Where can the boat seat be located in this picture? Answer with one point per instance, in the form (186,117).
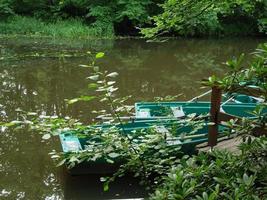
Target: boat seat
(170,139)
(143,113)
(70,143)
(177,111)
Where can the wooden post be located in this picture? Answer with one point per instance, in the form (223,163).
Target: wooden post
(216,96)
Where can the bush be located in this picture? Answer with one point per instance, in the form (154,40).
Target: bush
(219,175)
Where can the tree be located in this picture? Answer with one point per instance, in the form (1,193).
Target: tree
(208,17)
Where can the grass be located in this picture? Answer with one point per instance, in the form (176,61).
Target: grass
(72,28)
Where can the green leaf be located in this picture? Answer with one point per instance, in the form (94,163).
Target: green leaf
(106,186)
(113,155)
(61,162)
(96,69)
(99,55)
(94,77)
(55,156)
(9,124)
(73,159)
(103,179)
(85,66)
(247,179)
(92,85)
(113,74)
(31,113)
(111,82)
(73,101)
(109,160)
(46,136)
(86,98)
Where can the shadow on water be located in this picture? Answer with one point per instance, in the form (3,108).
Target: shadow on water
(38,75)
(89,187)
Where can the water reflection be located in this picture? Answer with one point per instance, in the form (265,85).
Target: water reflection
(42,83)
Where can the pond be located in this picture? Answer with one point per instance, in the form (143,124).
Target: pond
(38,74)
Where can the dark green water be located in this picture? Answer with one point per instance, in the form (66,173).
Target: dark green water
(38,74)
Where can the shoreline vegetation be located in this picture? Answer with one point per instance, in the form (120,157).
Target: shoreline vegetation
(145,18)
(24,26)
(30,26)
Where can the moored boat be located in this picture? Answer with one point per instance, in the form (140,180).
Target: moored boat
(151,110)
(160,117)
(177,133)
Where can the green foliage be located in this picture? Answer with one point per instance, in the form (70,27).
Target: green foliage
(71,28)
(208,17)
(179,17)
(6,9)
(101,16)
(219,175)
(223,175)
(243,79)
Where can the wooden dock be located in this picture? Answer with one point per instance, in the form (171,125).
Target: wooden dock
(229,144)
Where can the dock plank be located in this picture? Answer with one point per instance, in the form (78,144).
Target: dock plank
(230,145)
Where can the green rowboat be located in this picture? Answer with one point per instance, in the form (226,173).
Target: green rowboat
(156,116)
(152,110)
(176,133)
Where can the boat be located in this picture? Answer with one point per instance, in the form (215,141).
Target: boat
(235,104)
(176,133)
(242,98)
(152,110)
(168,118)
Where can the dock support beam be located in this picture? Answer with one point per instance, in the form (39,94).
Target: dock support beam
(216,96)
